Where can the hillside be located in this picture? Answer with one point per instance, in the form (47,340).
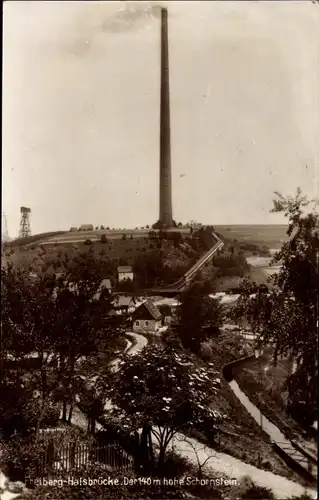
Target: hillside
(108,255)
(156,258)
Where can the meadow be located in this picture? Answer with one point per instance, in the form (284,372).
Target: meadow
(271,235)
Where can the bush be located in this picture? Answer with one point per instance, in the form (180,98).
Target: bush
(247,489)
(88,242)
(103,239)
(169,337)
(256,492)
(205,352)
(22,458)
(51,417)
(174,465)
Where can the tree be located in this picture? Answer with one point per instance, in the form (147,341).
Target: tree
(165,310)
(231,264)
(59,321)
(199,316)
(176,238)
(197,449)
(103,239)
(285,311)
(204,237)
(27,320)
(162,391)
(83,323)
(20,409)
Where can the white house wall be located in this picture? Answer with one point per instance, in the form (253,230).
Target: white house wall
(140,326)
(126,276)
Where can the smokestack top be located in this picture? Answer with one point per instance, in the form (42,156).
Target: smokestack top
(164,12)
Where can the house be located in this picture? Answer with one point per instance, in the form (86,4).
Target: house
(147,318)
(124,304)
(86,227)
(105,285)
(73,228)
(125,273)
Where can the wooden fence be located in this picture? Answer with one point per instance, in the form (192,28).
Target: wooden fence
(74,456)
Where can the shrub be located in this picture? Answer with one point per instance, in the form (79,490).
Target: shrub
(103,239)
(206,352)
(174,465)
(88,242)
(256,492)
(169,337)
(247,489)
(266,465)
(22,458)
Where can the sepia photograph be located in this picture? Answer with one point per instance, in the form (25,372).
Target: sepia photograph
(159,250)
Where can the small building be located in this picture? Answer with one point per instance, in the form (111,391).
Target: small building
(147,318)
(125,273)
(86,227)
(124,304)
(105,286)
(73,228)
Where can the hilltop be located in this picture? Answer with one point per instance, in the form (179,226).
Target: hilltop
(156,257)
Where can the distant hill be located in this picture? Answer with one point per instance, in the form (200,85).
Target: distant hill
(271,235)
(36,238)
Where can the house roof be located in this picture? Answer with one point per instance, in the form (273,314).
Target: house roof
(106,283)
(151,308)
(124,301)
(124,269)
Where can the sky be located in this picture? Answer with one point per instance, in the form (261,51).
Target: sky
(81,85)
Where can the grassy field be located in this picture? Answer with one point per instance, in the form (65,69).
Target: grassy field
(271,235)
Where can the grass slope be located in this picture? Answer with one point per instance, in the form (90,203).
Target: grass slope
(270,235)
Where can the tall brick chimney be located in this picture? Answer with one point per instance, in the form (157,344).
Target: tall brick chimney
(165,209)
